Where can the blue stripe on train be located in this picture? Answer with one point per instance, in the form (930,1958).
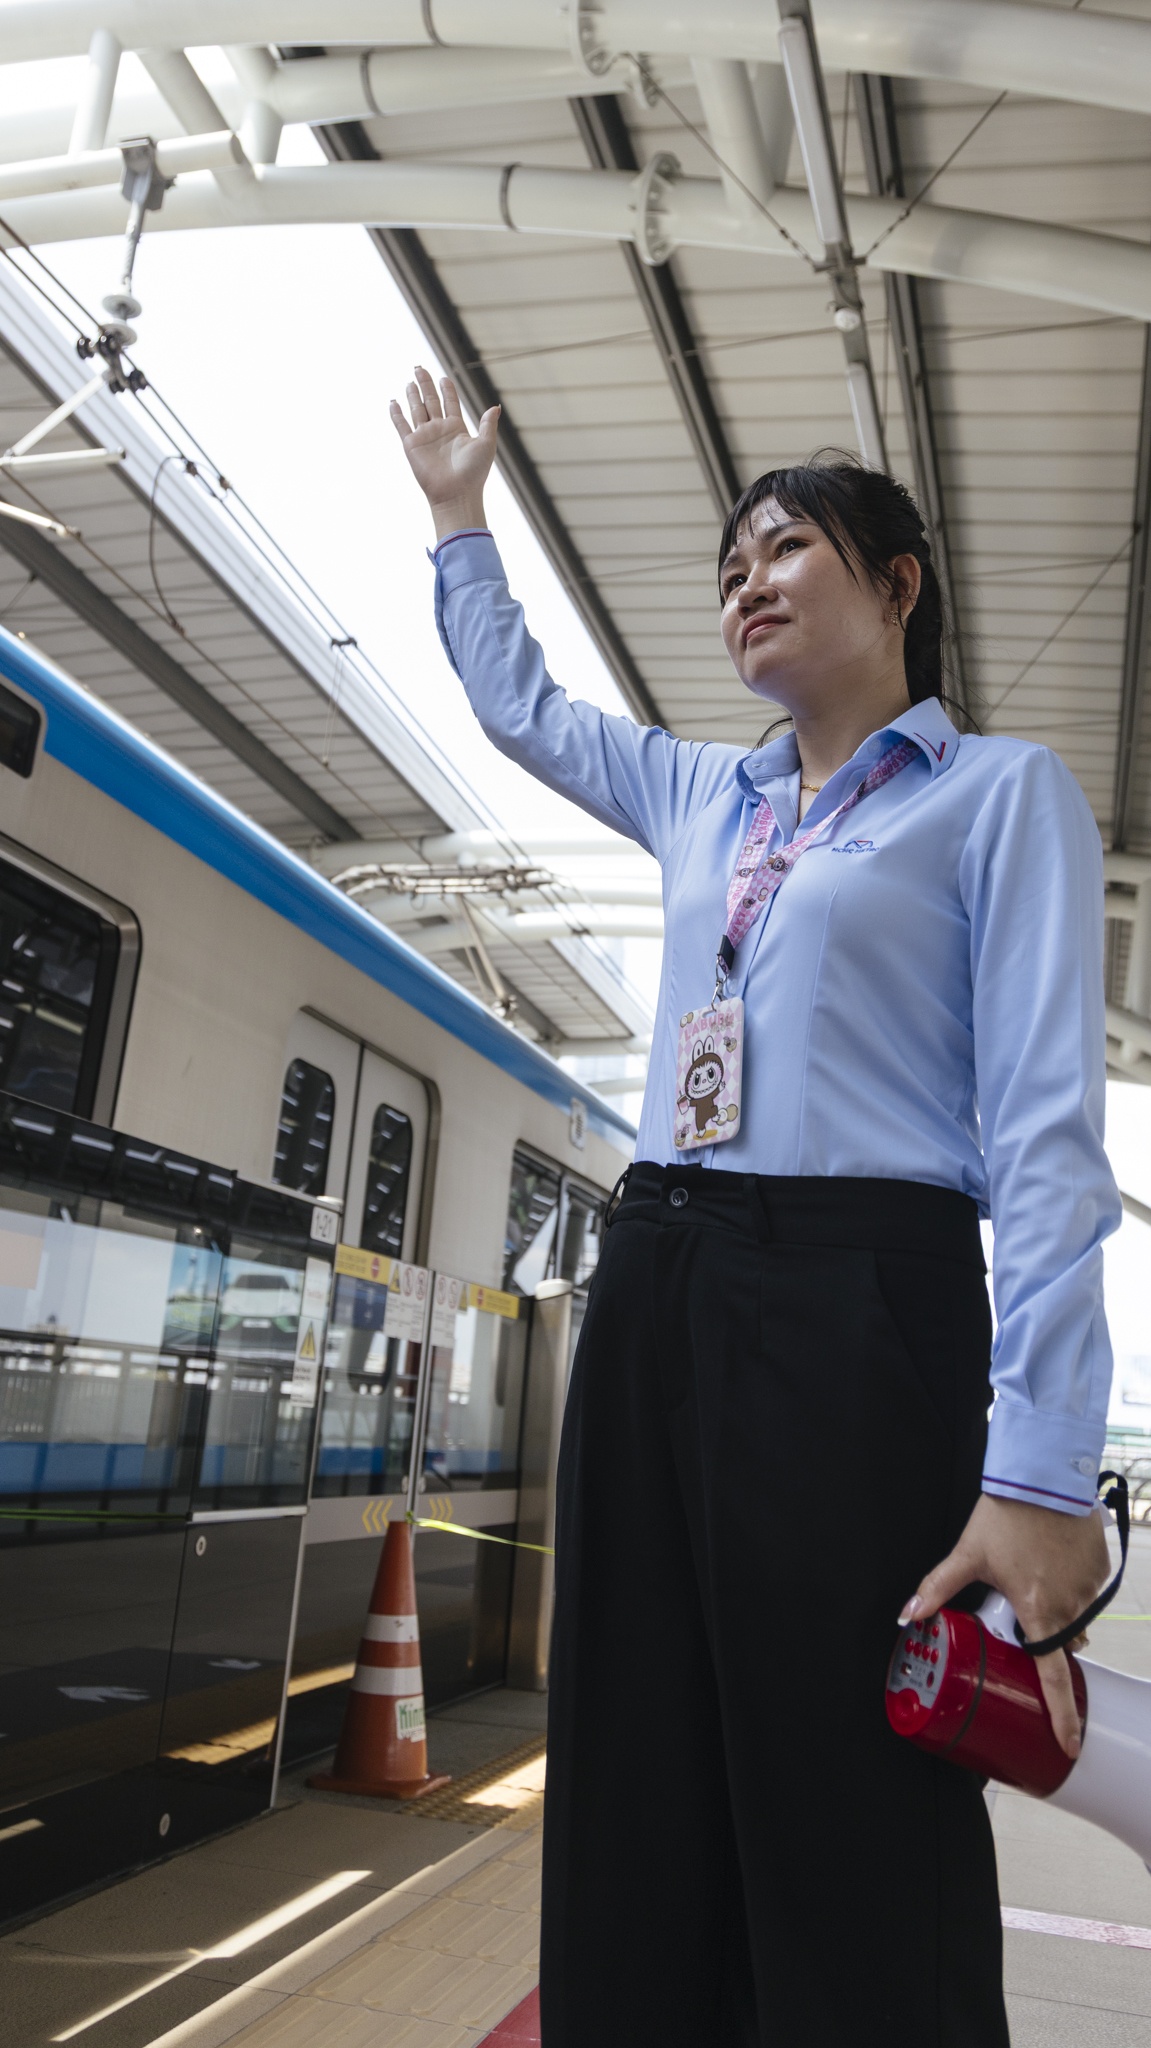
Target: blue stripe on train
(85,736)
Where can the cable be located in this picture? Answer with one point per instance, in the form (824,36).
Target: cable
(13,601)
(8,229)
(705,142)
(1064,621)
(165,607)
(227,498)
(936,174)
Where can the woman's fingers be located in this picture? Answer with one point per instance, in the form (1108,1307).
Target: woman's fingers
(1055,1678)
(453,410)
(949,1577)
(433,410)
(399,421)
(416,406)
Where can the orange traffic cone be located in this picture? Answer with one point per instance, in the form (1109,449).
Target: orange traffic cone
(383,1746)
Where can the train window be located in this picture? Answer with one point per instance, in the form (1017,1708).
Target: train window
(19,732)
(304,1135)
(533,1211)
(58,971)
(582,1236)
(389,1173)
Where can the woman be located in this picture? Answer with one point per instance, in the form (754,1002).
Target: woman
(777,1425)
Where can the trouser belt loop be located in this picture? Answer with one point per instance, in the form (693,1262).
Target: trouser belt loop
(757,1208)
(615,1198)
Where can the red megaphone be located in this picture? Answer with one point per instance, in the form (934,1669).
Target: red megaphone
(960,1686)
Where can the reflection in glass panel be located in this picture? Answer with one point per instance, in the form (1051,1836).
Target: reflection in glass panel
(304,1134)
(256,1437)
(474,1401)
(369,1395)
(105,1330)
(533,1210)
(389,1172)
(57,964)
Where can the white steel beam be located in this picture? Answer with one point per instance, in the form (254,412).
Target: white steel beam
(749,169)
(1069,266)
(180,85)
(95,103)
(94,168)
(1097,59)
(312,90)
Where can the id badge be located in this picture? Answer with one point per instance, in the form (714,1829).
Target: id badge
(709,1074)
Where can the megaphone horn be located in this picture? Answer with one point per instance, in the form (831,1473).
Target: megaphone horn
(964,1687)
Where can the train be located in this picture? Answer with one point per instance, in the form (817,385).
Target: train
(295,1237)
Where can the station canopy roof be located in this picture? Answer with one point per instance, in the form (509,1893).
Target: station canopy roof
(607,217)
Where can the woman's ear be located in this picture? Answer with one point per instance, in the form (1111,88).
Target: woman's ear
(907,579)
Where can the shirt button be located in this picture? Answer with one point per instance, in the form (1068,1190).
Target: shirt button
(678,1197)
(1085,1465)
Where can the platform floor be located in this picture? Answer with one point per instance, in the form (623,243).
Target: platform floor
(427,1935)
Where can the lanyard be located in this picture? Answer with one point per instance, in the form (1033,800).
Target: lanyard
(758,874)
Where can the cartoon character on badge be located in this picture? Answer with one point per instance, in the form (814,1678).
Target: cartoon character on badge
(702,1085)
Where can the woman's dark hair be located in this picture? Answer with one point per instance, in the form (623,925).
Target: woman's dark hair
(869,519)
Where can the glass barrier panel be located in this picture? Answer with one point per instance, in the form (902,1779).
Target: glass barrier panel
(475,1391)
(371,1374)
(258,1428)
(106,1324)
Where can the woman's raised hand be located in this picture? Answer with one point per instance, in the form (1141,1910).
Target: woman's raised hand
(450,464)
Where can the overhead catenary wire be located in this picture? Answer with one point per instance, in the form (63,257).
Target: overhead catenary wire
(276,559)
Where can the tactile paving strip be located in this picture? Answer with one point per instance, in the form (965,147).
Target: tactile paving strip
(457,1801)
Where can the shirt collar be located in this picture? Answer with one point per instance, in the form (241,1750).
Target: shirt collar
(926,723)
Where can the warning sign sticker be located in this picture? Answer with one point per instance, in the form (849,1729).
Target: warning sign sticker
(305,1380)
(407,1302)
(448,1298)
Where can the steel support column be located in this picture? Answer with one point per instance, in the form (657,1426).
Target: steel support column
(879,134)
(423,288)
(1135,640)
(604,134)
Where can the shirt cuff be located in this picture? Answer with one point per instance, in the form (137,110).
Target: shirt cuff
(469,556)
(1051,1461)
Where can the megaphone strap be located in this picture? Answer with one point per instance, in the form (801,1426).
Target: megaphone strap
(1119,1501)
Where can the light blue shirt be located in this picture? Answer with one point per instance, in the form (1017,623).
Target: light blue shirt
(924,994)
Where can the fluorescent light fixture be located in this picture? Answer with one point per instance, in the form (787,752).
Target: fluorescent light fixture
(814,130)
(8,511)
(232,1945)
(69,462)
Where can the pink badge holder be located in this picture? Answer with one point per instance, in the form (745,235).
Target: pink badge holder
(709,1074)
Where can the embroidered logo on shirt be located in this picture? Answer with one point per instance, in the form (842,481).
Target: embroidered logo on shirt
(938,751)
(856,846)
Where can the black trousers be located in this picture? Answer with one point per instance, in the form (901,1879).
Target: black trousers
(775,1427)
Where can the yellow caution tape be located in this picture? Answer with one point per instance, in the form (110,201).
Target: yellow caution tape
(480,1535)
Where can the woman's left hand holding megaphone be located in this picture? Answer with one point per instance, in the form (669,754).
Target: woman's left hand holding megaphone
(1049,1566)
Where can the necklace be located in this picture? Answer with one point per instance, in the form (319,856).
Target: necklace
(814,787)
